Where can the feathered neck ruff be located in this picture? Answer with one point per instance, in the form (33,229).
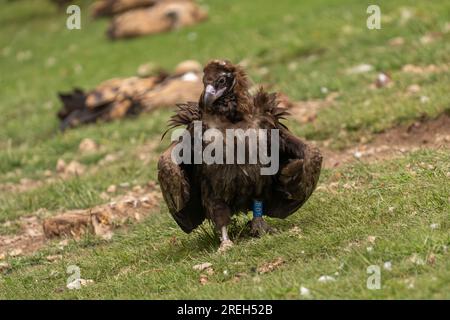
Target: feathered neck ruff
(239,96)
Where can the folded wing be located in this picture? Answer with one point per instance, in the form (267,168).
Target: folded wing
(300,163)
(179,185)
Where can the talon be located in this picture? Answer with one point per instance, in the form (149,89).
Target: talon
(259,227)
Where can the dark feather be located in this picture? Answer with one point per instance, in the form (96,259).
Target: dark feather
(223,190)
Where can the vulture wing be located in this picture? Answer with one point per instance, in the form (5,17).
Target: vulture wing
(300,163)
(179,186)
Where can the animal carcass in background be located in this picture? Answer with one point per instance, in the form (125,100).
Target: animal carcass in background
(121,97)
(162,17)
(104,8)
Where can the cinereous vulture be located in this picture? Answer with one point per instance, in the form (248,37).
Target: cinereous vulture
(197,191)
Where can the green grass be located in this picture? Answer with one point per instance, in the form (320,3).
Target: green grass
(145,263)
(323,38)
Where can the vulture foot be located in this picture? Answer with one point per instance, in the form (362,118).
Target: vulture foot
(225,245)
(259,227)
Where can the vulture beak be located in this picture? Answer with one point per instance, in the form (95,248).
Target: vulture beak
(211,95)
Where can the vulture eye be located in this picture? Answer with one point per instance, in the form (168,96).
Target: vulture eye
(222,81)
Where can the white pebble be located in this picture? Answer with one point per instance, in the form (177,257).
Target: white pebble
(326,279)
(434,226)
(358,154)
(387,265)
(190,77)
(305,292)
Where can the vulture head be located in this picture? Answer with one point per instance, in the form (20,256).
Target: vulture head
(225,89)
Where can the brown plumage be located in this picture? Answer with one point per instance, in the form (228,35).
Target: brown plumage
(194,192)
(122,97)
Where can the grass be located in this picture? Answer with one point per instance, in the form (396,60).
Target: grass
(305,46)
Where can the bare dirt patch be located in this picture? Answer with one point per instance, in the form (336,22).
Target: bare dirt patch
(423,133)
(431,68)
(64,171)
(306,111)
(29,239)
(102,220)
(270,266)
(23,185)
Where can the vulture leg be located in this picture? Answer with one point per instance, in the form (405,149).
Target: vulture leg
(220,214)
(225,242)
(258,226)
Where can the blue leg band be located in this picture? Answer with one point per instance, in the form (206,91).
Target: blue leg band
(257,209)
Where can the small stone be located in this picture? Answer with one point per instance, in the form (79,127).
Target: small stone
(371,239)
(292,66)
(60,165)
(358,154)
(414,88)
(203,279)
(54,257)
(202,266)
(305,292)
(410,283)
(434,226)
(417,260)
(48,173)
(63,243)
(74,168)
(109,158)
(431,259)
(4,266)
(387,266)
(111,189)
(326,278)
(397,41)
(238,276)
(16,252)
(428,38)
(382,80)
(87,146)
(424,99)
(296,231)
(361,68)
(324,90)
(50,62)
